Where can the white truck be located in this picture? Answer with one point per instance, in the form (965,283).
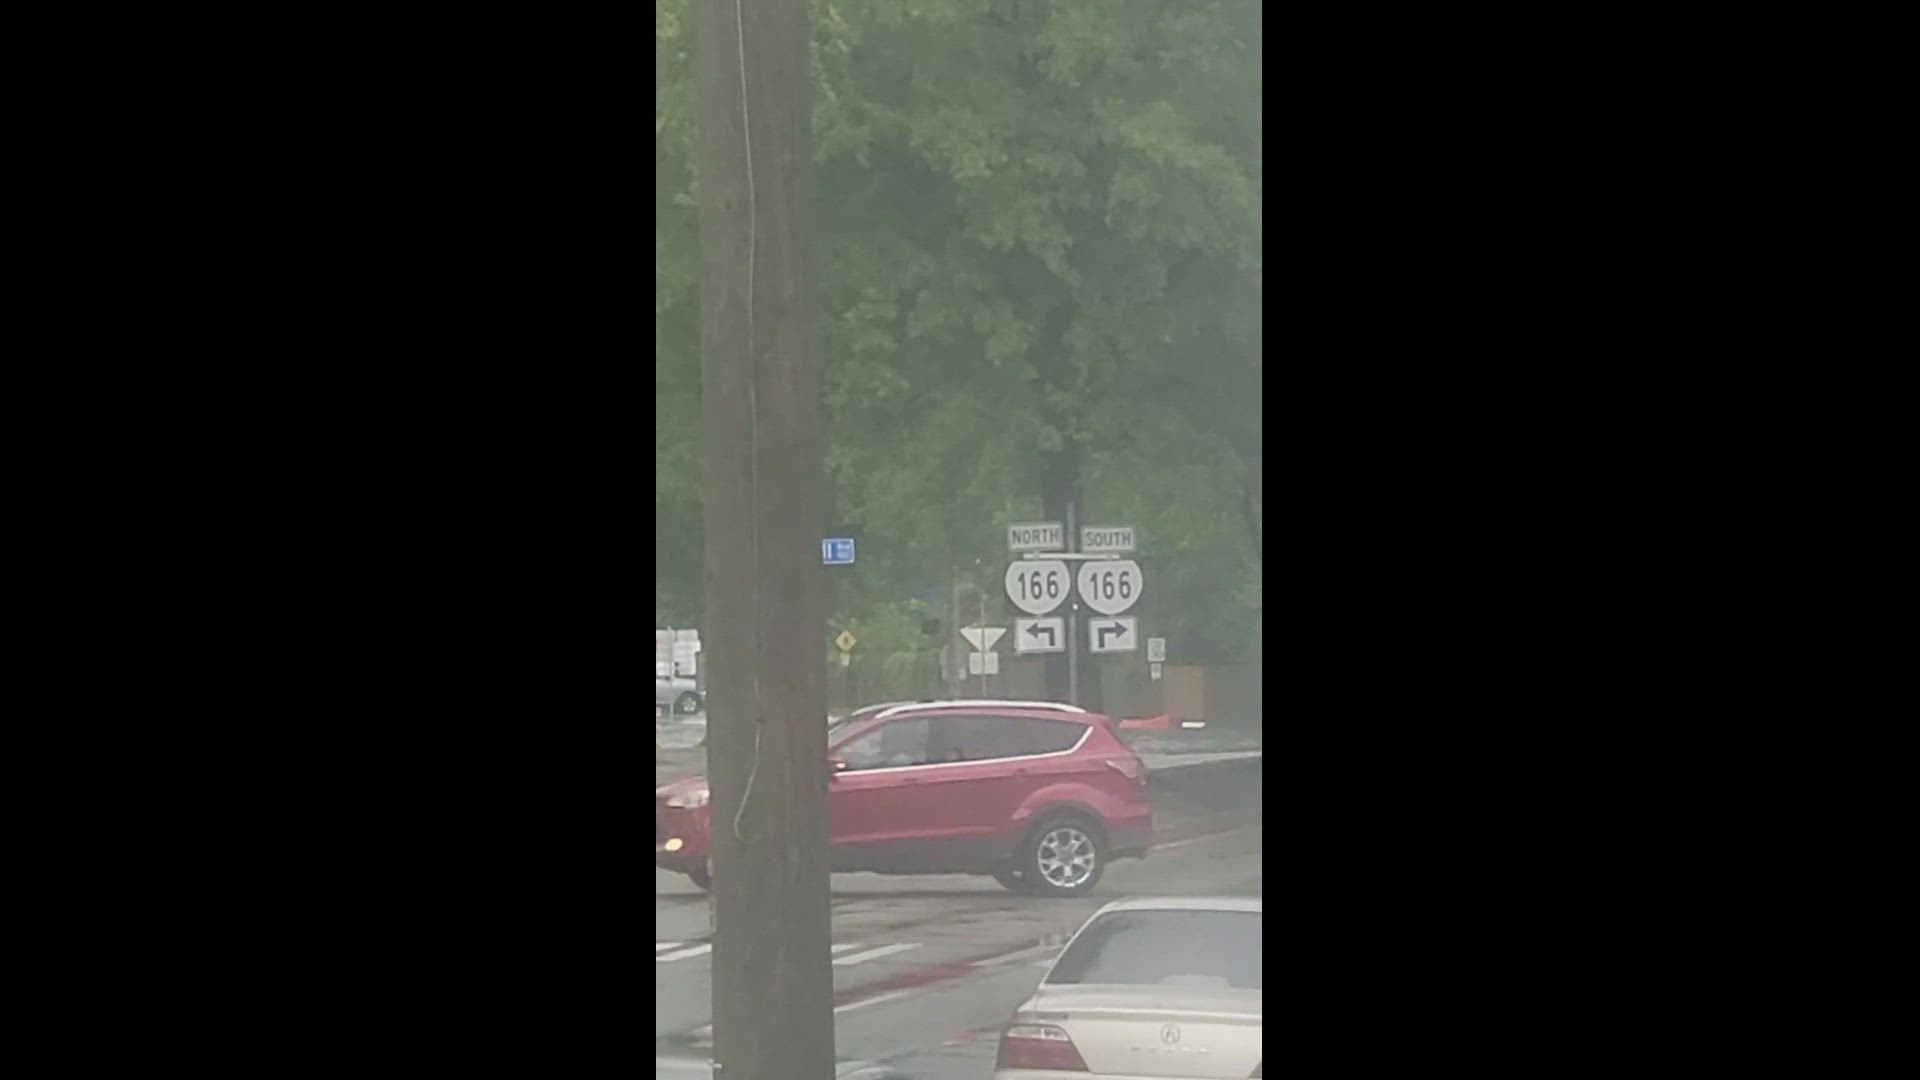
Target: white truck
(676,673)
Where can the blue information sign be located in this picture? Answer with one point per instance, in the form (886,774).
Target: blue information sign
(837,551)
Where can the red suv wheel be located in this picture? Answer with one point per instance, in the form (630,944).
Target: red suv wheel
(1062,856)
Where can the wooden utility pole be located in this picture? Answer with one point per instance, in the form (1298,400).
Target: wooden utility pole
(772,979)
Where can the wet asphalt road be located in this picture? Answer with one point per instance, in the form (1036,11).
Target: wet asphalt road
(929,968)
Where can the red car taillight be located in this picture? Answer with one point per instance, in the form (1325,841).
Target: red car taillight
(1038,1046)
(1129,767)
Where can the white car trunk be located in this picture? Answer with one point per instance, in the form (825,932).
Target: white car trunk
(1167,1030)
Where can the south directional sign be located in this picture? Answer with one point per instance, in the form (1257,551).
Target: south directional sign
(1110,586)
(1037,586)
(1111,541)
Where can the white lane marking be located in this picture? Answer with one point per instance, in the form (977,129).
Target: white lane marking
(870,954)
(1195,840)
(661,953)
(1015,955)
(851,1005)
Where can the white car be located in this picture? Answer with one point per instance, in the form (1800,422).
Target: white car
(1150,987)
(681,696)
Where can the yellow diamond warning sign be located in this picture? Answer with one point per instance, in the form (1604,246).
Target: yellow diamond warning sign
(846,640)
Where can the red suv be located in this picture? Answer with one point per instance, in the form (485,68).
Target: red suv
(1038,795)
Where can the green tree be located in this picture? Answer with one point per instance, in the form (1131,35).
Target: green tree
(1039,229)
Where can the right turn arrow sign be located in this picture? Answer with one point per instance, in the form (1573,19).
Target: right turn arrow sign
(1113,635)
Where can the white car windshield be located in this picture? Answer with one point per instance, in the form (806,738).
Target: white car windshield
(1148,948)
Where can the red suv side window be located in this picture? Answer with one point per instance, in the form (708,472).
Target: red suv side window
(1053,736)
(985,738)
(897,743)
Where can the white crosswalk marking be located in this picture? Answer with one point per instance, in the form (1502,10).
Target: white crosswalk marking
(664,951)
(870,954)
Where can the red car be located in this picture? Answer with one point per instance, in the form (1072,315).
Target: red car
(1037,795)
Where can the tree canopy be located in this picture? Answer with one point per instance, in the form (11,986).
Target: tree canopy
(1038,232)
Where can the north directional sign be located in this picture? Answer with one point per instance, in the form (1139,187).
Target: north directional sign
(1037,586)
(1110,586)
(1037,536)
(1039,635)
(1113,635)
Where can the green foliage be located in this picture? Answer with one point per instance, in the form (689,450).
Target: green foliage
(1038,224)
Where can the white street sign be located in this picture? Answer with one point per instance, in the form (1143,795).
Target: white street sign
(1037,586)
(1156,650)
(1094,540)
(976,660)
(1039,635)
(1154,670)
(1037,536)
(1111,586)
(1113,635)
(982,637)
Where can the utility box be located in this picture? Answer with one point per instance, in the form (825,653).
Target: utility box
(1186,691)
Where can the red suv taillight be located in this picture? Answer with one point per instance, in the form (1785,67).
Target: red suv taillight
(1129,767)
(1038,1046)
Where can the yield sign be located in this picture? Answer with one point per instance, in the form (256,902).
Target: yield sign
(982,637)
